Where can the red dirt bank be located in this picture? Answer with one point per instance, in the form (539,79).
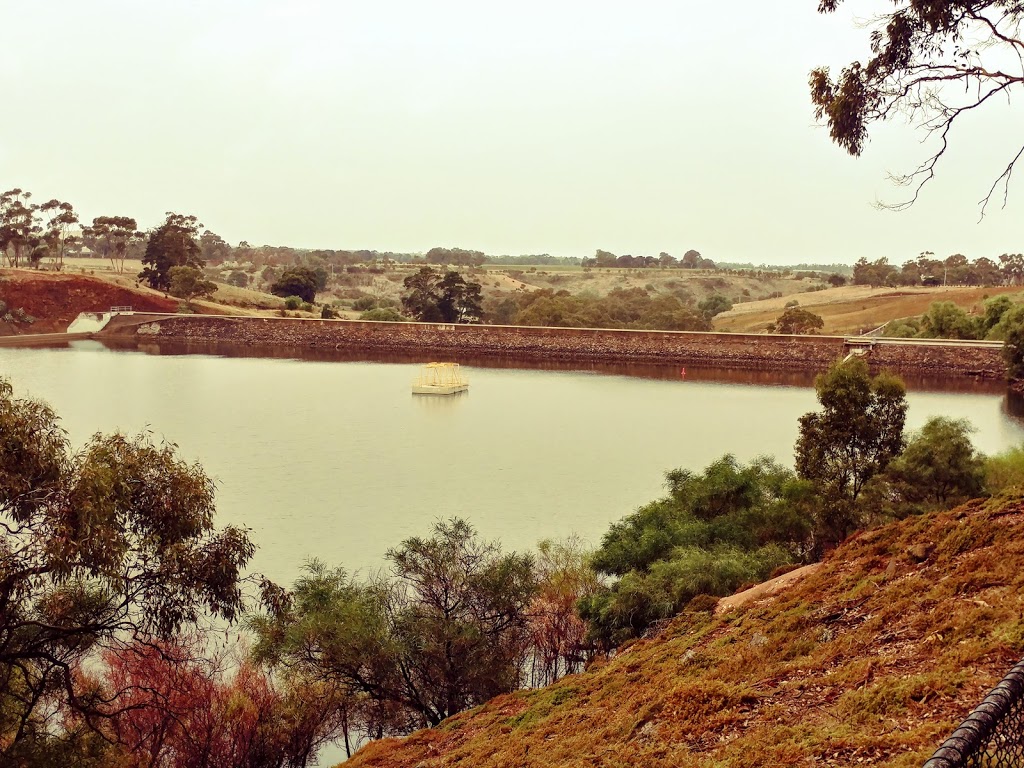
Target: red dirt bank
(55,300)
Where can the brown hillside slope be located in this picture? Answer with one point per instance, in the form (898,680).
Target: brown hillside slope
(56,299)
(871,660)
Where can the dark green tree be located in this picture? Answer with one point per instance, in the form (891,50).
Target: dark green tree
(1011,329)
(113,543)
(446,632)
(296,281)
(431,297)
(172,244)
(715,530)
(854,436)
(797,320)
(714,305)
(940,465)
(945,320)
(933,61)
(189,283)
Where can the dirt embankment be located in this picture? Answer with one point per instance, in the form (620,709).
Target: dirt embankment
(54,300)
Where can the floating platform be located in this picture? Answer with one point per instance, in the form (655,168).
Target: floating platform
(440,379)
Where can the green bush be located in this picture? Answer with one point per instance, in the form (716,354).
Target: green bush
(1005,471)
(383,314)
(364,303)
(293,302)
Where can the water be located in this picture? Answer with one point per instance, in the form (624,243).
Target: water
(336,460)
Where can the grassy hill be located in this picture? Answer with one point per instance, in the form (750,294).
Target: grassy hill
(872,659)
(855,308)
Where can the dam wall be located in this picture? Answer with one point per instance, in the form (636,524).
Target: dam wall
(445,341)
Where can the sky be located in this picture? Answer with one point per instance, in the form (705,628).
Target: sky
(555,127)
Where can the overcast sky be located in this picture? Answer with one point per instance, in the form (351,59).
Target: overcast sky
(541,127)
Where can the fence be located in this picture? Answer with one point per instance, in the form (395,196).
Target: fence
(992,736)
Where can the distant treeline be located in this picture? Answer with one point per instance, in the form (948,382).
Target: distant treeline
(953,270)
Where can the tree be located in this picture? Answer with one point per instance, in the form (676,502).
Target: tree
(835,280)
(182,705)
(854,436)
(19,226)
(213,247)
(945,320)
(296,281)
(717,529)
(60,218)
(446,632)
(435,298)
(111,237)
(172,244)
(800,321)
(188,283)
(1011,329)
(939,466)
(558,635)
(876,273)
(931,61)
(100,547)
(713,305)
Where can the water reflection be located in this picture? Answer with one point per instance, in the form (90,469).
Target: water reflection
(673,372)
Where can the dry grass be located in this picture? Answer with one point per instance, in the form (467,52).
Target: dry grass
(871,660)
(855,308)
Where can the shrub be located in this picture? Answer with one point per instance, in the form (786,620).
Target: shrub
(383,314)
(364,303)
(1005,471)
(292,302)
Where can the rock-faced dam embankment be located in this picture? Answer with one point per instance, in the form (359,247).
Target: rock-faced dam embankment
(744,351)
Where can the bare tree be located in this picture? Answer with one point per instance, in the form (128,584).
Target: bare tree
(931,63)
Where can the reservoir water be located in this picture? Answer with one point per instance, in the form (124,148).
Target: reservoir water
(337,460)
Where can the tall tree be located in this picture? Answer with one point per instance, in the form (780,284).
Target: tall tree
(940,464)
(447,632)
(296,281)
(188,283)
(172,244)
(60,218)
(854,436)
(19,226)
(111,237)
(213,247)
(933,61)
(449,298)
(112,543)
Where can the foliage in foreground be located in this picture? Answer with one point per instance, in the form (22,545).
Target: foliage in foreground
(100,547)
(871,660)
(447,631)
(727,526)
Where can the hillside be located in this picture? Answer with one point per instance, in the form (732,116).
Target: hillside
(872,659)
(854,308)
(55,299)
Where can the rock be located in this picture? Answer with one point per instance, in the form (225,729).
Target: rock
(920,552)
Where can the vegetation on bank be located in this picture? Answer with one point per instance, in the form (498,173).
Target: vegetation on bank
(110,569)
(872,659)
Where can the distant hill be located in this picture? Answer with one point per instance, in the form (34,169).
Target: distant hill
(871,660)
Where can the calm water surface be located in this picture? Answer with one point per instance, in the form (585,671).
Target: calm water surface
(338,461)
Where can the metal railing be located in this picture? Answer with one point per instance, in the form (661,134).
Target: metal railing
(993,734)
